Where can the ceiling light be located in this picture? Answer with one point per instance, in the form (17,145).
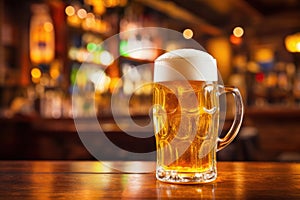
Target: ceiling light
(238,31)
(188,33)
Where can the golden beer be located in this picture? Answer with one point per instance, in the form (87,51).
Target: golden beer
(186,116)
(186,122)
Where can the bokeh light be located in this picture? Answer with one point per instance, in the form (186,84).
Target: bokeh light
(70,10)
(188,33)
(238,31)
(36,73)
(82,13)
(48,26)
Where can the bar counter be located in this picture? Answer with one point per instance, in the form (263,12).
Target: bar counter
(36,138)
(135,180)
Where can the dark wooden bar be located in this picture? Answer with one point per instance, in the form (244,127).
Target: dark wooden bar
(277,130)
(101,180)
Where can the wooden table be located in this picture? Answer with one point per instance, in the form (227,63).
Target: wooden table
(95,180)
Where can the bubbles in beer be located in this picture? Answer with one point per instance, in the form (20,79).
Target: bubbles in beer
(186,131)
(171,104)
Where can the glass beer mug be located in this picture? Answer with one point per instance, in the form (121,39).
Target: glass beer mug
(186,114)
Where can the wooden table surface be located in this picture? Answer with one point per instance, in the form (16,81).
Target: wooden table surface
(96,180)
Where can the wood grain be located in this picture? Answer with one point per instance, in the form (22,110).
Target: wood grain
(95,180)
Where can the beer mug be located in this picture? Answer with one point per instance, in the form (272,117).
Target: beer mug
(186,115)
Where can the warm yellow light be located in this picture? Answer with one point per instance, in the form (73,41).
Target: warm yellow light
(99,7)
(114,3)
(54,73)
(55,70)
(114,84)
(109,3)
(74,20)
(82,13)
(89,21)
(90,16)
(41,36)
(48,26)
(82,55)
(264,55)
(36,73)
(70,10)
(188,33)
(238,31)
(292,43)
(298,46)
(35,80)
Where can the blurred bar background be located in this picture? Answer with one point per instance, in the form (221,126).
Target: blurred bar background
(44,42)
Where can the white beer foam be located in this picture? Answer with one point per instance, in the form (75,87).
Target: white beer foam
(185,64)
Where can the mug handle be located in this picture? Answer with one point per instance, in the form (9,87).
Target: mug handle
(238,117)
